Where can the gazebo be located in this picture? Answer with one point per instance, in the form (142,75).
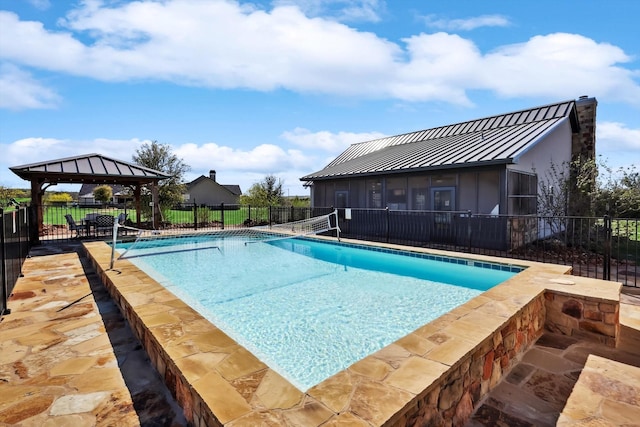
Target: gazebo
(88,168)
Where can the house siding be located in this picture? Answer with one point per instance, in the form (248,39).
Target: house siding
(552,150)
(208,192)
(476,189)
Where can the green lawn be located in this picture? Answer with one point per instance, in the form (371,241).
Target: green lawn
(626,228)
(54,215)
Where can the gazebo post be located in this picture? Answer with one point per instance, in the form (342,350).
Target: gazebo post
(36,203)
(156,205)
(136,197)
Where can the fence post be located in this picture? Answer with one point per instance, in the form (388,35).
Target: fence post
(195,215)
(3,269)
(269,216)
(249,210)
(606,267)
(222,214)
(469,229)
(388,219)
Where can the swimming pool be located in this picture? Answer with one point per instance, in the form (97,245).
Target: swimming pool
(310,309)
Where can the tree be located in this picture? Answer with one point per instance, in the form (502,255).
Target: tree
(616,192)
(160,157)
(619,193)
(267,192)
(103,193)
(6,194)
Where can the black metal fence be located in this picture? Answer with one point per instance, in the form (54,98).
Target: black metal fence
(56,225)
(603,247)
(14,248)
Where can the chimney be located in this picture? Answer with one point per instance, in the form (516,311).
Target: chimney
(212,175)
(583,151)
(584,142)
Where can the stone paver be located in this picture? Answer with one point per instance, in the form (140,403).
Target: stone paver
(67,356)
(563,381)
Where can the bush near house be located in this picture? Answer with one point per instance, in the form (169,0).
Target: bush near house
(58,198)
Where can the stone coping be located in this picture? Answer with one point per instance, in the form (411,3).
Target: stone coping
(607,393)
(218,382)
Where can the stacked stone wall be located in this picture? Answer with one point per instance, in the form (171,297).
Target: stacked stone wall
(450,401)
(582,317)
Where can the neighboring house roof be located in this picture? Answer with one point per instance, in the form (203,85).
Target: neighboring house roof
(87,167)
(87,189)
(492,140)
(233,189)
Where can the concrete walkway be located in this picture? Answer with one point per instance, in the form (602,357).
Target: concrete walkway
(67,356)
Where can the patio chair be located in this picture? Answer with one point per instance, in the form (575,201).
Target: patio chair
(122,218)
(104,223)
(79,229)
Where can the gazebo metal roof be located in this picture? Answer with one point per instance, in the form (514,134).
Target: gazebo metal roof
(88,168)
(91,169)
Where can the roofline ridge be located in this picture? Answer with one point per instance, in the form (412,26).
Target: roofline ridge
(466,121)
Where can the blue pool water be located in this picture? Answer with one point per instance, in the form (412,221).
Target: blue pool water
(310,309)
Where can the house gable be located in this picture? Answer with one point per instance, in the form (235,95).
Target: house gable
(204,190)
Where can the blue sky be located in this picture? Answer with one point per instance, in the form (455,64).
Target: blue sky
(282,87)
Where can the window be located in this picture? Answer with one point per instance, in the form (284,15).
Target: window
(522,193)
(374,193)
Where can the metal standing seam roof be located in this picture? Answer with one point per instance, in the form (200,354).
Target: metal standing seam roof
(88,166)
(491,140)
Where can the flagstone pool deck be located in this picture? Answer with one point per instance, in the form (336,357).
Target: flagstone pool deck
(69,358)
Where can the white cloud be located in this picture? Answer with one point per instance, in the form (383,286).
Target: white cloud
(264,158)
(40,4)
(334,143)
(33,150)
(20,91)
(467,24)
(559,65)
(227,45)
(342,10)
(613,136)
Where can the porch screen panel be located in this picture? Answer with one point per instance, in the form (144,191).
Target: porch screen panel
(489,192)
(358,197)
(374,193)
(319,194)
(341,192)
(419,193)
(522,193)
(468,193)
(397,193)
